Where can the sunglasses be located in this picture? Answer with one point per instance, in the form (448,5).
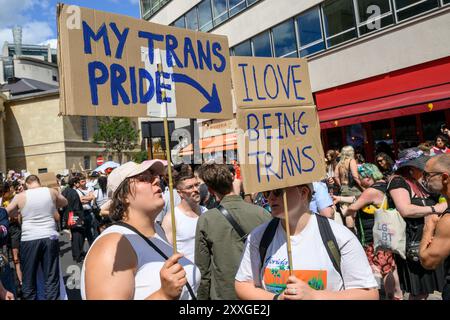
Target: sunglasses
(276,193)
(428,175)
(147,176)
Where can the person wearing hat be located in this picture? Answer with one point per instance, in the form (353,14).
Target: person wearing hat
(132,260)
(264,269)
(414,202)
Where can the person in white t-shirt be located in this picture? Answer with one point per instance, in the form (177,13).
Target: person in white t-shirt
(186,214)
(131,260)
(312,265)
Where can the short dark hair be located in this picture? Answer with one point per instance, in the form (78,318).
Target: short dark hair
(32,178)
(73,181)
(217,177)
(443,138)
(231,168)
(180,177)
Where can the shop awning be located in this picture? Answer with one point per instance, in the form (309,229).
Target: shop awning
(213,144)
(418,89)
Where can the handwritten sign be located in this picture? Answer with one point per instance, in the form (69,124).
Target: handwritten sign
(114,65)
(279,147)
(261,82)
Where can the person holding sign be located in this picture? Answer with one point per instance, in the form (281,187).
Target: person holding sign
(328,260)
(132,259)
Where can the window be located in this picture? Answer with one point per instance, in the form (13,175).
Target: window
(54,78)
(191,19)
(284,41)
(310,32)
(446,2)
(261,45)
(431,122)
(87,162)
(220,12)
(42,170)
(236,6)
(374,15)
(110,158)
(180,23)
(406,132)
(95,124)
(84,128)
(205,16)
(339,21)
(249,2)
(243,49)
(334,138)
(409,8)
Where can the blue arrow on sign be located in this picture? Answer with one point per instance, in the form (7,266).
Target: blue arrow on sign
(213,105)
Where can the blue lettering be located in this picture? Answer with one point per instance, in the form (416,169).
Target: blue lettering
(94,81)
(150,38)
(189,51)
(118,76)
(252,129)
(216,48)
(257,153)
(295,81)
(279,114)
(266,127)
(171,45)
(145,97)
(285,163)
(243,66)
(133,87)
(160,76)
(293,161)
(204,55)
(121,37)
(301,128)
(268,166)
(285,85)
(256,85)
(287,123)
(89,34)
(313,163)
(275,78)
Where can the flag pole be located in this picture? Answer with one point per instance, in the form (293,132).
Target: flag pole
(288,233)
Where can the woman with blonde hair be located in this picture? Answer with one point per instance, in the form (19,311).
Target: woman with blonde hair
(347,178)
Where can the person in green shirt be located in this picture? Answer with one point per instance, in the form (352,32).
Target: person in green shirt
(218,245)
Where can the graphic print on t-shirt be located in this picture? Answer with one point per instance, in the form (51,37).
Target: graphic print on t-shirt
(276,274)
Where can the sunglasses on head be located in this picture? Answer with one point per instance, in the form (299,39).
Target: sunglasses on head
(276,193)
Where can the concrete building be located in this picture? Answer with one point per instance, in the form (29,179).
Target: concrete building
(38,139)
(380,69)
(2,134)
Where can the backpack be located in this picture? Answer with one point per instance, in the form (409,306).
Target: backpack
(328,238)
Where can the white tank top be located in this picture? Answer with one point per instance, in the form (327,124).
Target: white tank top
(38,220)
(147,279)
(186,227)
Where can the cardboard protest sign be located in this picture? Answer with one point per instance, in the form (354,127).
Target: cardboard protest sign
(263,82)
(114,65)
(48,180)
(279,147)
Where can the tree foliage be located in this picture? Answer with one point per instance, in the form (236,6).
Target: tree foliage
(116,134)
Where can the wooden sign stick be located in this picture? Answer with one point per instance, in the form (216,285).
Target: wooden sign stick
(288,233)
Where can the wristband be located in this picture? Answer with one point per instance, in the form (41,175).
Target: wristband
(433,210)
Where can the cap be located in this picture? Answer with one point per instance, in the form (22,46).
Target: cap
(128,170)
(412,157)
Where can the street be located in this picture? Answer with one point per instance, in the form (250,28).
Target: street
(71,270)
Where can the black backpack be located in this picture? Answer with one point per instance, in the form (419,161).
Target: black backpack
(328,238)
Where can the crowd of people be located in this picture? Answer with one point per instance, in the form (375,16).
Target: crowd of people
(232,245)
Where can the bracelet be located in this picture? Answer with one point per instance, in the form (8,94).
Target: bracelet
(275,297)
(433,210)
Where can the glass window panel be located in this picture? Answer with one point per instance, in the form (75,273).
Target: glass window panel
(446,1)
(236,6)
(355,135)
(261,45)
(292,55)
(406,132)
(384,22)
(146,5)
(243,49)
(284,38)
(334,138)
(205,16)
(365,11)
(339,16)
(341,38)
(309,26)
(191,19)
(414,10)
(249,2)
(180,23)
(431,124)
(312,49)
(220,12)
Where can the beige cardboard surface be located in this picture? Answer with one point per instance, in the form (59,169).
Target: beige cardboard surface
(48,180)
(279,147)
(208,87)
(261,82)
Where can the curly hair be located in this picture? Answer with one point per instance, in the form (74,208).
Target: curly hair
(119,205)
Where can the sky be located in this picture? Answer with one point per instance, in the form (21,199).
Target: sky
(38,17)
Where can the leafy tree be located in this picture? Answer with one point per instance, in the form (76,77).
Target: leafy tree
(116,134)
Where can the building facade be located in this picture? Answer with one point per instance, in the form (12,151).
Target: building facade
(379,69)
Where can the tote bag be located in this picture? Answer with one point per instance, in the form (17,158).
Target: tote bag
(389,230)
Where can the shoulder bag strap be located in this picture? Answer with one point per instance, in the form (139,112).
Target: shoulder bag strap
(233,222)
(267,238)
(159,251)
(330,243)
